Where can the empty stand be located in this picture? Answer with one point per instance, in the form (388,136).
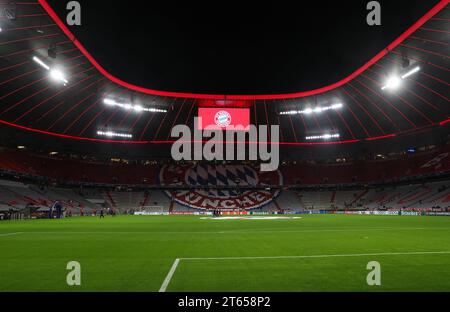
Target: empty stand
(62,169)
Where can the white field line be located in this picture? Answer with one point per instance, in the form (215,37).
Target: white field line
(178,260)
(328,256)
(323,230)
(169,276)
(244,231)
(10,234)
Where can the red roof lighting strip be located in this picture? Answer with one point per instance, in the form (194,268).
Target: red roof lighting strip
(71,137)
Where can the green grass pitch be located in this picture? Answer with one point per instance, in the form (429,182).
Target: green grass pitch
(314,253)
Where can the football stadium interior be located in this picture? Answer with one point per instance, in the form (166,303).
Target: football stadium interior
(87,171)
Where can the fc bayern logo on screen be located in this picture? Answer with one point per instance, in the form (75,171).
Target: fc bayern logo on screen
(227,187)
(222,119)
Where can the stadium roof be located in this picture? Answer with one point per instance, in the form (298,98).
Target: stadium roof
(359,106)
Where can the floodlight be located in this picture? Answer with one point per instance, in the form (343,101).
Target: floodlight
(112,134)
(326,136)
(411,72)
(394,82)
(58,75)
(41,63)
(129,106)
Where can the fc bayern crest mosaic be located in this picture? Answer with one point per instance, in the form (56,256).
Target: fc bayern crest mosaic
(223,119)
(207,175)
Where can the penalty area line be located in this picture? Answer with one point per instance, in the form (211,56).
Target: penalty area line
(169,276)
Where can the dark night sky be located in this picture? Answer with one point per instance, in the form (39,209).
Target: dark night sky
(237,47)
